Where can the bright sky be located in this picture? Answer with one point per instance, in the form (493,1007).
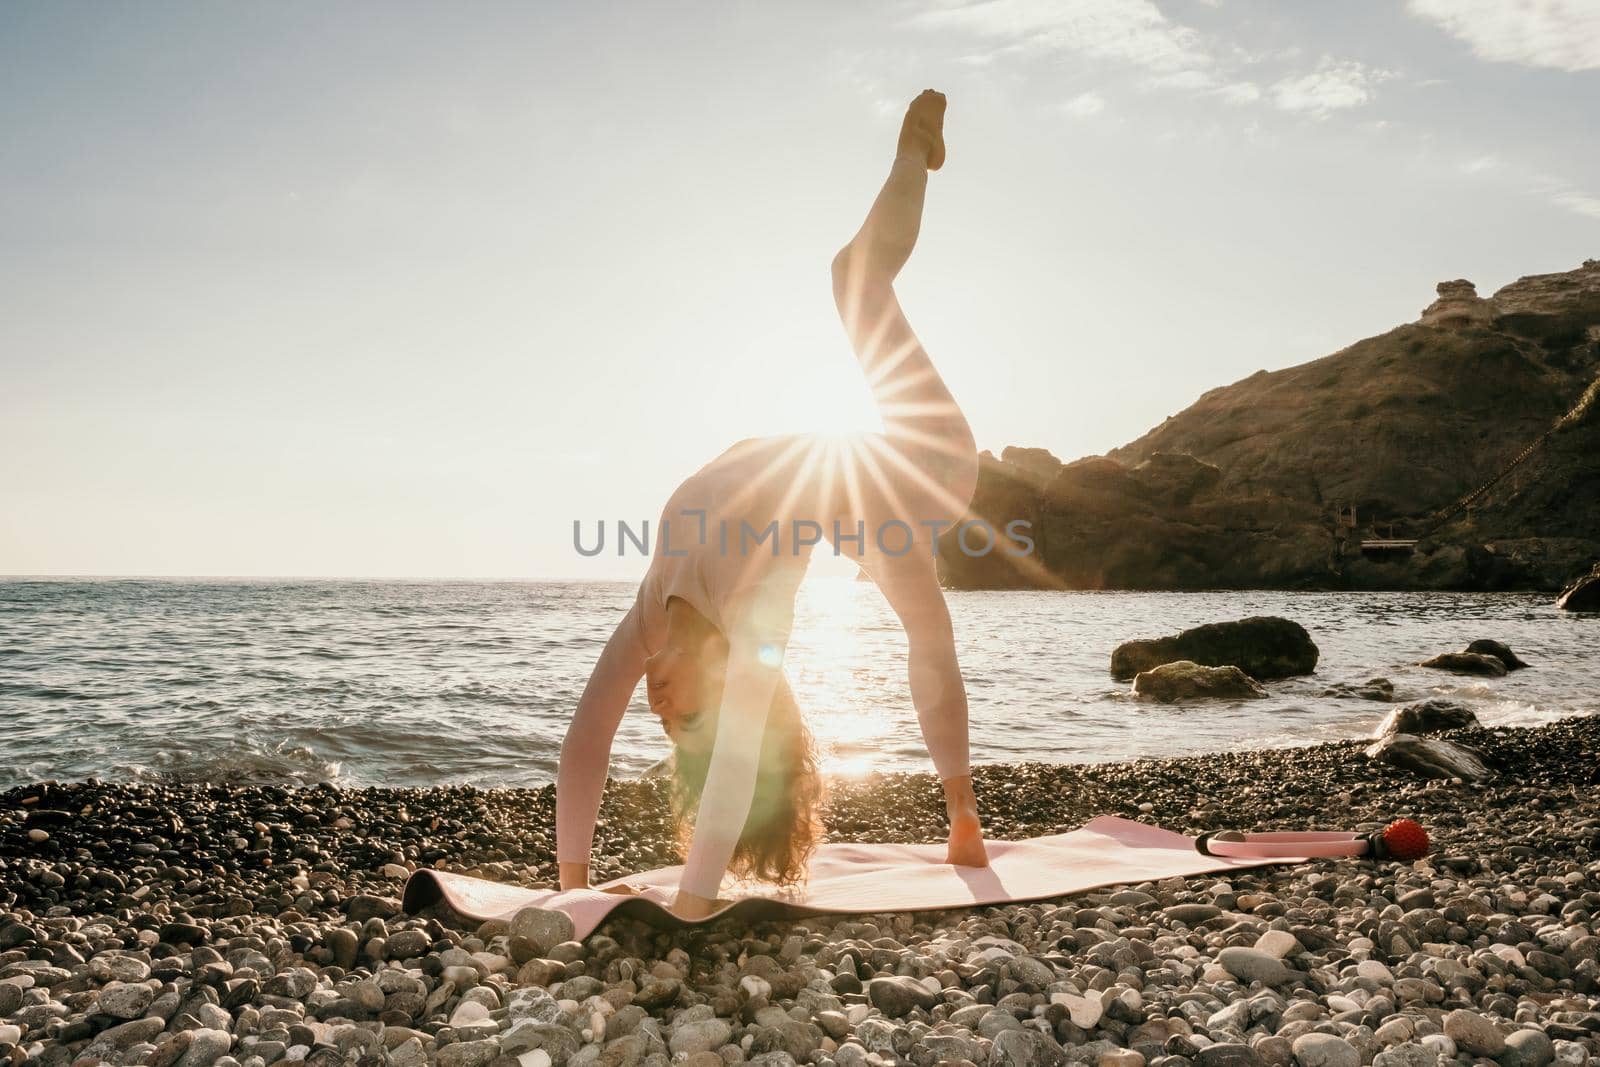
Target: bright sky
(296,288)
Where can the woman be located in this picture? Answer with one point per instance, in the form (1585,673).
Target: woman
(712,618)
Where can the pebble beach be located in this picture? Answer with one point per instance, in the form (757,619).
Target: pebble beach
(214,926)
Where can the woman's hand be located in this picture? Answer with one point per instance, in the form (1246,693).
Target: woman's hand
(625,889)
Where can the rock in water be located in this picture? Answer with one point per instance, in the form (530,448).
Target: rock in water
(1583,594)
(1467,663)
(1264,647)
(1427,717)
(1371,689)
(1500,651)
(1183,680)
(1431,757)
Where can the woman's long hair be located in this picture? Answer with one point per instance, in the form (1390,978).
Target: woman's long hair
(784,825)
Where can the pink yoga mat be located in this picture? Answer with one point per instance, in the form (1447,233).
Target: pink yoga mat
(860,879)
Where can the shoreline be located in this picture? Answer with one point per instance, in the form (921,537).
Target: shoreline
(271,686)
(252,924)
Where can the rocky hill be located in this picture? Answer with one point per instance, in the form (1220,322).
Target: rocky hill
(1474,431)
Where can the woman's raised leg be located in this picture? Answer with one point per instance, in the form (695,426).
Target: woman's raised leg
(922,470)
(930,453)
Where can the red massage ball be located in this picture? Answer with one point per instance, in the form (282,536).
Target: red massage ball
(1405,840)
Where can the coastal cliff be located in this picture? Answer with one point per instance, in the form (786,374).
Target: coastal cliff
(1455,452)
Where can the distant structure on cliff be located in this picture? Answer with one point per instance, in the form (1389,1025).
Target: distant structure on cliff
(1459,306)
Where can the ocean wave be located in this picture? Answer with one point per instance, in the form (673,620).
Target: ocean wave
(241,763)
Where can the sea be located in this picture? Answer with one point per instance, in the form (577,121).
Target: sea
(420,683)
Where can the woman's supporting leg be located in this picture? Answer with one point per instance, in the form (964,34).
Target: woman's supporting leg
(911,586)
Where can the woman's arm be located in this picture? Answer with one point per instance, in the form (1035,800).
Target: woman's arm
(586,750)
(756,646)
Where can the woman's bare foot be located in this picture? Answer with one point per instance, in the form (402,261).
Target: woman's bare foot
(966,832)
(965,848)
(922,132)
(689,906)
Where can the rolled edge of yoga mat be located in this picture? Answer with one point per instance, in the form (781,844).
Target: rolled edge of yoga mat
(1403,840)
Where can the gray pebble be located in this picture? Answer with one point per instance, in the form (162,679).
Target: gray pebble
(1251,965)
(1025,1048)
(1325,1050)
(124,1001)
(1527,1048)
(1474,1034)
(542,928)
(702,1035)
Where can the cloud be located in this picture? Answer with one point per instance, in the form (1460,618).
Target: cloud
(1205,83)
(1134,33)
(1563,34)
(1182,79)
(875,75)
(1240,93)
(1085,105)
(1129,31)
(1333,86)
(1553,189)
(1578,203)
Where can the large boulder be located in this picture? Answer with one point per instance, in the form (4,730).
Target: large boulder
(1427,717)
(1263,647)
(1183,680)
(1500,651)
(1467,663)
(1582,594)
(1431,757)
